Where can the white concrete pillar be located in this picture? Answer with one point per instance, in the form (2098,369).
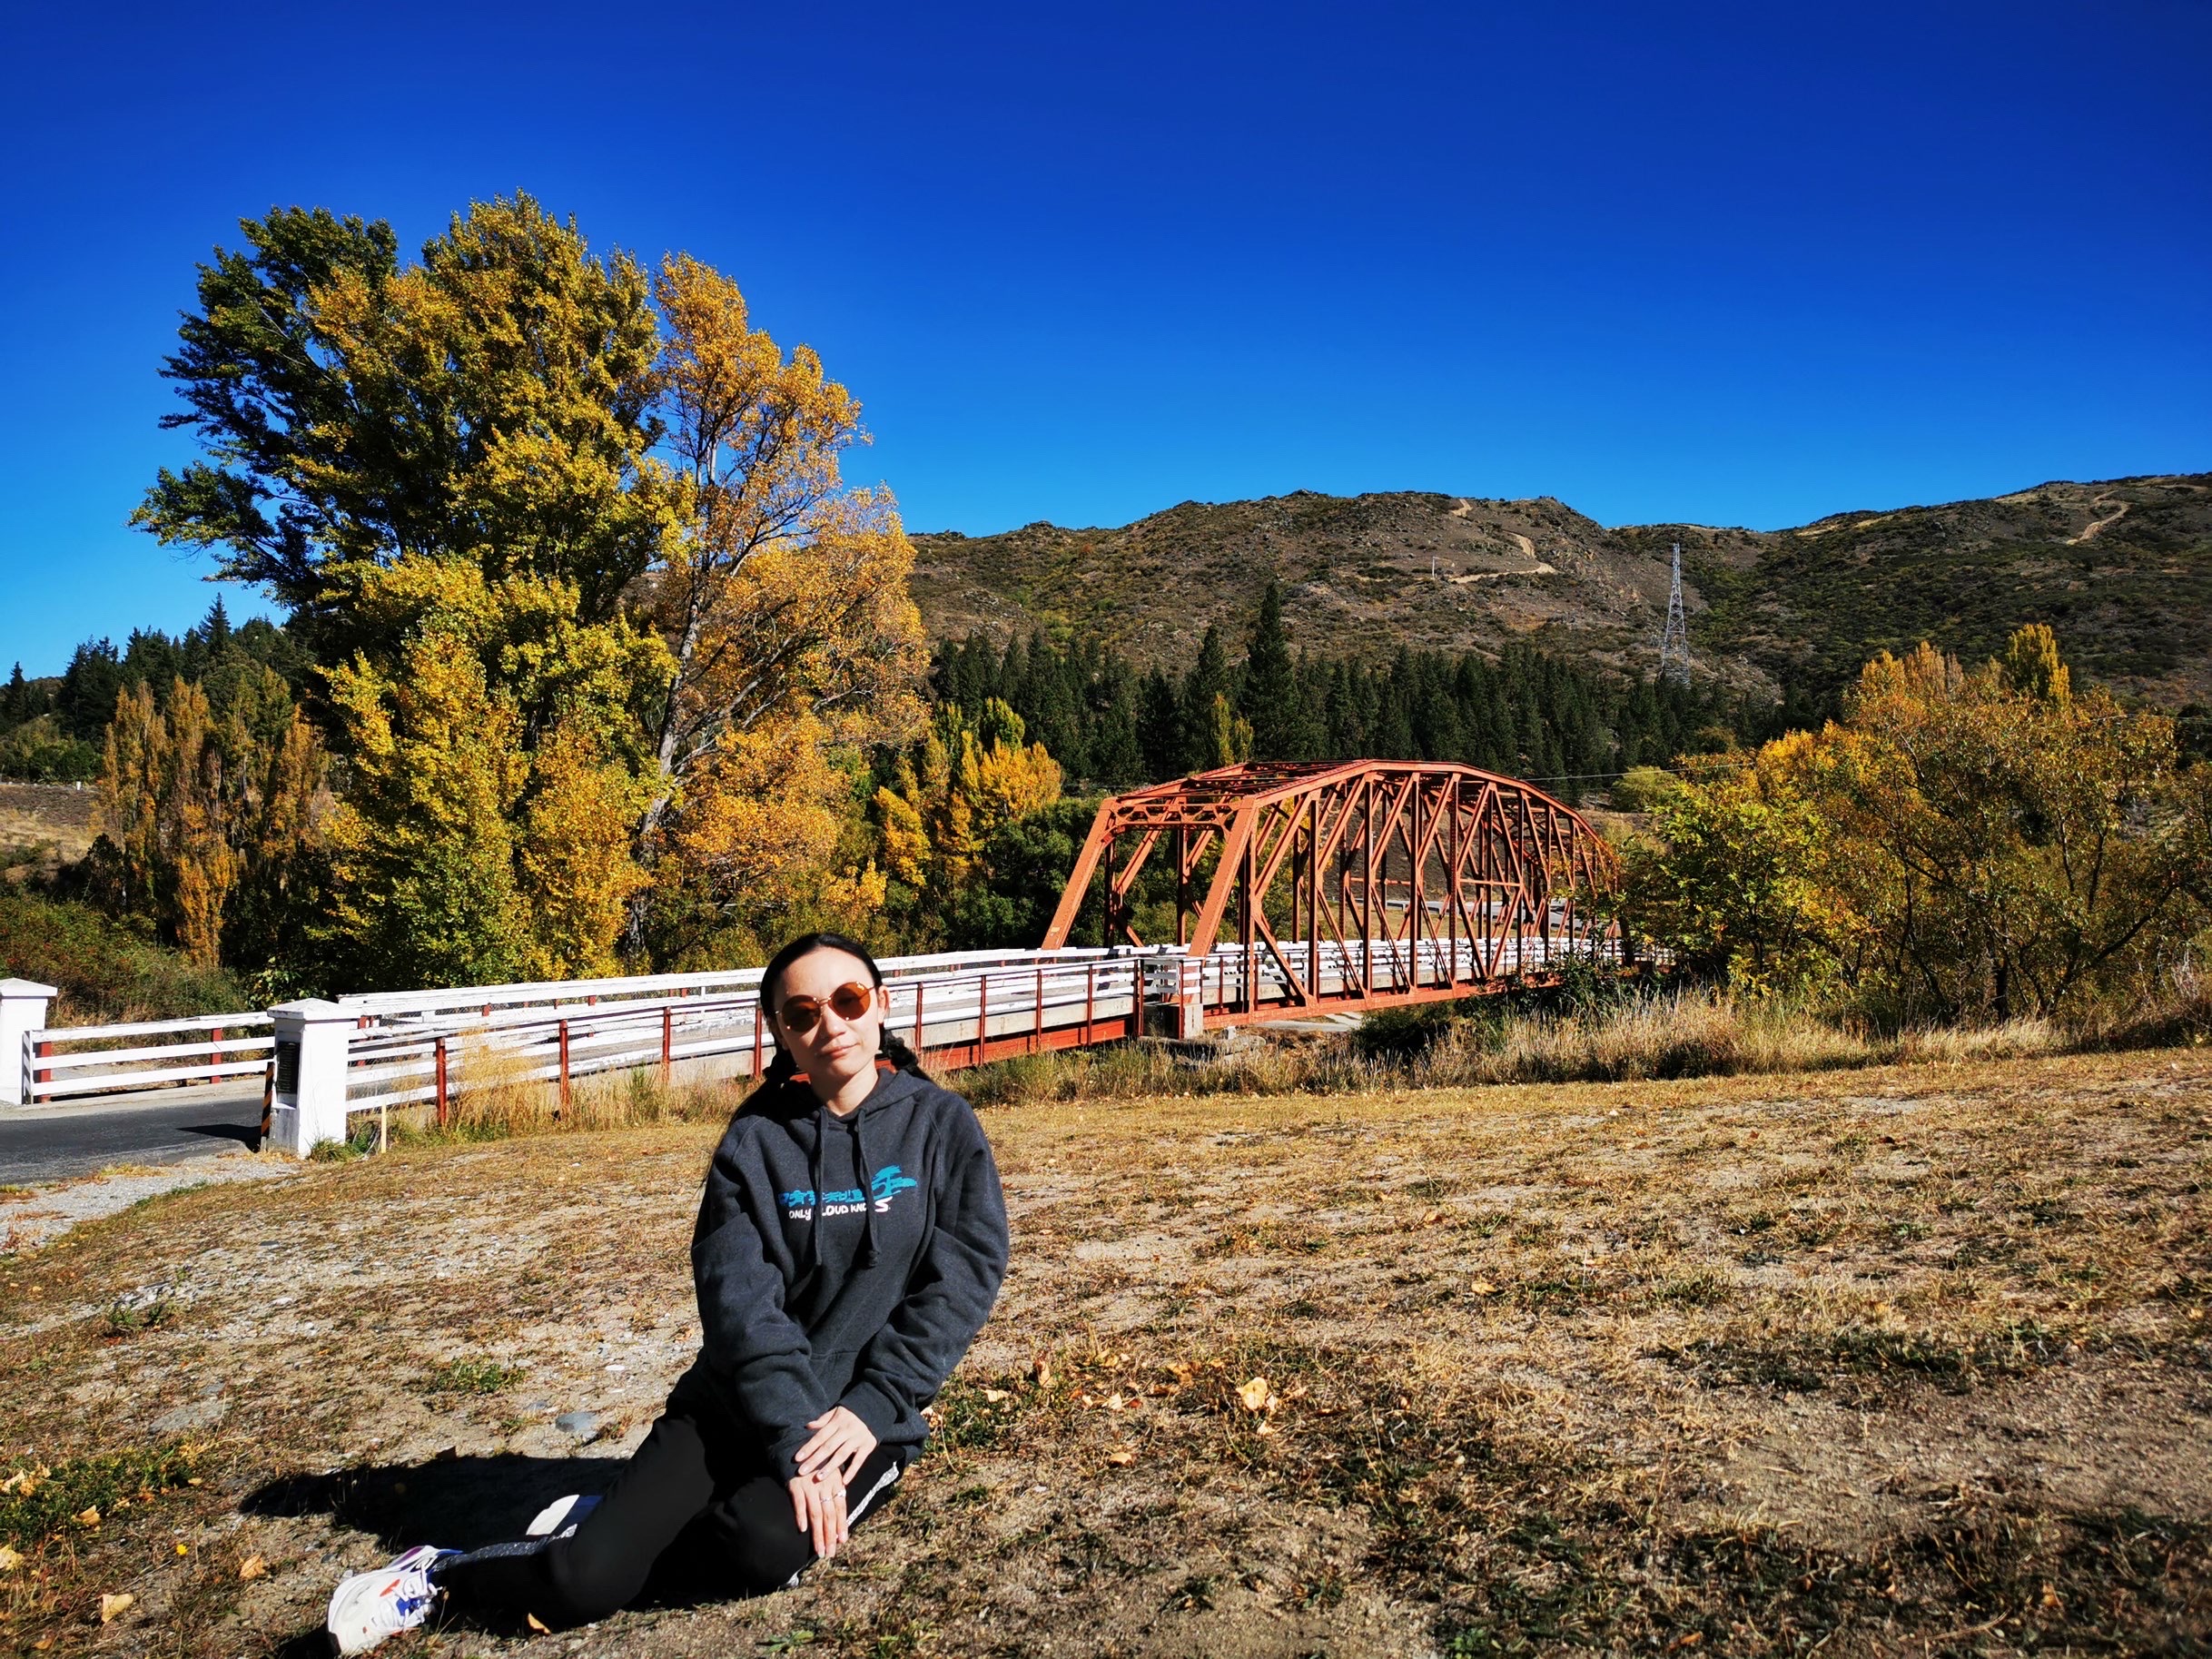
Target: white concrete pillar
(22,1009)
(1191,998)
(310,1103)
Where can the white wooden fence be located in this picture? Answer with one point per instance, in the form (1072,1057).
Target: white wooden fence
(320,1062)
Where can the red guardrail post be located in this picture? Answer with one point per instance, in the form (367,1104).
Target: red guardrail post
(564,1064)
(42,1049)
(1091,1000)
(1036,1045)
(983,1015)
(921,990)
(756,1034)
(441,1081)
(668,1042)
(215,1058)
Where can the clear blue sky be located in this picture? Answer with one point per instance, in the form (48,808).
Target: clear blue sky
(1736,264)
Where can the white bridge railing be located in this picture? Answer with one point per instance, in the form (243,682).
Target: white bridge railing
(412,1048)
(320,1062)
(82,1060)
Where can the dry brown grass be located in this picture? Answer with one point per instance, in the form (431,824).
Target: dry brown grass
(1902,1359)
(1693,1032)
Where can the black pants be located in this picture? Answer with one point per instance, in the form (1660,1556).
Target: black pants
(695,1514)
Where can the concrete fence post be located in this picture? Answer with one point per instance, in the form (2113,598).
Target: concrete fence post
(310,1105)
(22,1009)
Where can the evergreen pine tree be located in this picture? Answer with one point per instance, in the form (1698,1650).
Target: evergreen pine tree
(16,700)
(1208,679)
(1160,728)
(1117,761)
(1268,696)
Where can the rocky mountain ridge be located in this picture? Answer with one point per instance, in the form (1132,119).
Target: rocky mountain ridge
(2122,569)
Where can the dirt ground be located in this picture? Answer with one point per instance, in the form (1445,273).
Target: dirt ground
(1911,1360)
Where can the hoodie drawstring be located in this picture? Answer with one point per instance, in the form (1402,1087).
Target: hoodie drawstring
(867,1194)
(814,1223)
(865,1176)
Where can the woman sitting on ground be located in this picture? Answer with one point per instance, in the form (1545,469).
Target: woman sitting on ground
(849,1245)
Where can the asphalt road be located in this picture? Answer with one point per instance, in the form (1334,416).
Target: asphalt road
(51,1142)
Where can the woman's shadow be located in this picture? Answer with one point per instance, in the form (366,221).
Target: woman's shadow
(453,1502)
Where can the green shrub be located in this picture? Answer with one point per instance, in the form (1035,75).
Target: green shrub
(104,971)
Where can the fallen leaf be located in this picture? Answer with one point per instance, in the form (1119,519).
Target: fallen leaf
(1121,1456)
(1114,1402)
(994,1394)
(9,1559)
(537,1623)
(1266,1429)
(1253,1393)
(1432,1217)
(252,1566)
(87,1516)
(1040,1372)
(113,1607)
(1483,1286)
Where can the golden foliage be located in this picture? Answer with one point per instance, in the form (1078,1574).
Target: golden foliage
(193,803)
(1983,843)
(766,842)
(951,792)
(784,601)
(464,851)
(497,391)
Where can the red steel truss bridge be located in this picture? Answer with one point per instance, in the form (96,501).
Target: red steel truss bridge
(1303,888)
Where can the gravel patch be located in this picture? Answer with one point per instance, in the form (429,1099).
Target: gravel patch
(35,1215)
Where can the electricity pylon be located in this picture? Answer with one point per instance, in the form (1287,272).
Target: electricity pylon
(1675,643)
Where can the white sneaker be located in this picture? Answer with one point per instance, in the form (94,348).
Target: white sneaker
(369,1607)
(561,1516)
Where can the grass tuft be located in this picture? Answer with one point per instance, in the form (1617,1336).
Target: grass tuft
(37,1502)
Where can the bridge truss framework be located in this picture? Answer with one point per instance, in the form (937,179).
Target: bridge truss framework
(1304,888)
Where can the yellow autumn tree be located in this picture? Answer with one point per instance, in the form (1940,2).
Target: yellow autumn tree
(198,815)
(1980,842)
(590,502)
(792,644)
(485,834)
(956,788)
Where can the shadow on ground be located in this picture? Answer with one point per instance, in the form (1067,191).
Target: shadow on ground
(456,1502)
(248,1135)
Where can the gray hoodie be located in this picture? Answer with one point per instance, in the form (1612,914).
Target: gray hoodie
(844,1260)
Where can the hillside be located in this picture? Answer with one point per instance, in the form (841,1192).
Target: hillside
(2122,569)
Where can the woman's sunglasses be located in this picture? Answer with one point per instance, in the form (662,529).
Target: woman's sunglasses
(803,1013)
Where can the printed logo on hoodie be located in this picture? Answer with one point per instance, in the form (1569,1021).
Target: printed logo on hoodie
(799,1202)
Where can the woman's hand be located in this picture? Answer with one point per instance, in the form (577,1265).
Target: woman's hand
(840,1444)
(817,1502)
(827,1462)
